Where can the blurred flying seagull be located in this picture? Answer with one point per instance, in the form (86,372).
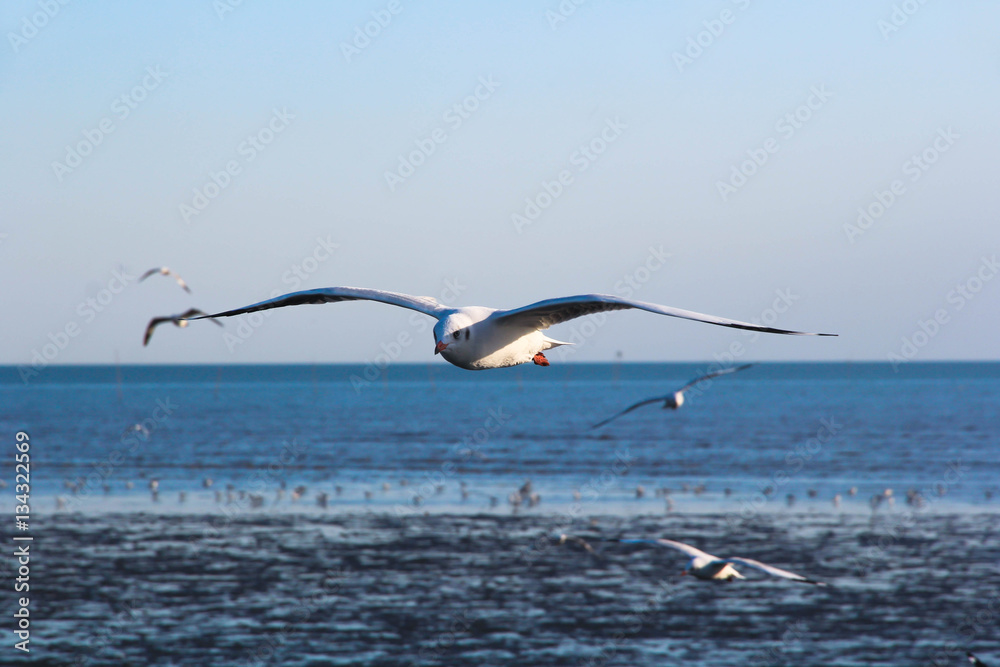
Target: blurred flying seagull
(712,568)
(564,538)
(974,660)
(676,399)
(164,270)
(478,338)
(177,320)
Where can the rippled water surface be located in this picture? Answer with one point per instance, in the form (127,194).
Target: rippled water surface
(309,515)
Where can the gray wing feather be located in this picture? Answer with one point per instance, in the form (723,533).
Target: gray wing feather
(424,305)
(770,569)
(544,314)
(629,409)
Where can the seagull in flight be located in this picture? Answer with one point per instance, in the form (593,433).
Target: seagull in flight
(707,567)
(478,338)
(177,320)
(579,541)
(165,270)
(676,399)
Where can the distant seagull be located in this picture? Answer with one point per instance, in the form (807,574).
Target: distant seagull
(136,428)
(478,338)
(177,320)
(165,271)
(676,399)
(974,660)
(563,539)
(712,568)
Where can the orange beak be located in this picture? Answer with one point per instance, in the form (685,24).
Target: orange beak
(440,347)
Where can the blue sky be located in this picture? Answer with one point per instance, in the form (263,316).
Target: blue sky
(310,135)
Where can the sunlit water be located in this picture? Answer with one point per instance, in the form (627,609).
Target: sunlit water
(235,572)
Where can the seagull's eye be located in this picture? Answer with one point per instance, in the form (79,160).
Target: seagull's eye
(456,335)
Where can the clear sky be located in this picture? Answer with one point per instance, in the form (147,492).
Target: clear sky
(713,156)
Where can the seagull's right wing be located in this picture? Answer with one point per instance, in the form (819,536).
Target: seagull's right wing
(421,304)
(191,312)
(679,546)
(180,281)
(148,274)
(724,371)
(629,409)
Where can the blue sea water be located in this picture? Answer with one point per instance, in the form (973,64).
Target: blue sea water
(399,568)
(793,427)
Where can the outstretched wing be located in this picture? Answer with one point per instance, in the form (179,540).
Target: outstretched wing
(679,546)
(153,323)
(191,312)
(149,273)
(629,409)
(563,538)
(770,569)
(180,281)
(724,371)
(421,304)
(544,314)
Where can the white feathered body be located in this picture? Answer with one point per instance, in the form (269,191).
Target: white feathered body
(488,345)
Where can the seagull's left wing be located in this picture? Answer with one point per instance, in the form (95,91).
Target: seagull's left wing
(770,569)
(544,314)
(724,371)
(180,281)
(629,409)
(673,544)
(192,312)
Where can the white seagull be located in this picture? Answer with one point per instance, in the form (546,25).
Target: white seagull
(712,568)
(478,338)
(676,399)
(177,320)
(165,270)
